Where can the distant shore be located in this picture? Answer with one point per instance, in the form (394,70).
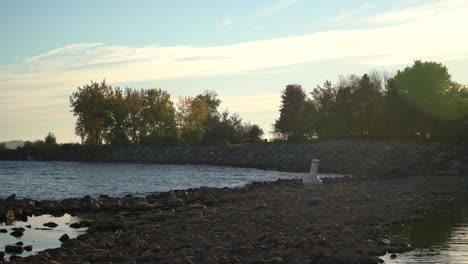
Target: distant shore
(259,223)
(357,157)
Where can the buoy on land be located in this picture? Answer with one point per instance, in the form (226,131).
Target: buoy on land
(312,177)
(312,183)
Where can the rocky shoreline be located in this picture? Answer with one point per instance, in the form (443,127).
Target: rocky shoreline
(356,157)
(258,223)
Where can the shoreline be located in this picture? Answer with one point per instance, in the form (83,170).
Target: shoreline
(258,223)
(356,157)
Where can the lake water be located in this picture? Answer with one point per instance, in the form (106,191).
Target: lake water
(441,238)
(38,236)
(58,180)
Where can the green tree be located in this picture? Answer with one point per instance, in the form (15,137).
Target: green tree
(291,121)
(159,117)
(50,139)
(134,105)
(3,147)
(192,117)
(90,104)
(253,134)
(435,100)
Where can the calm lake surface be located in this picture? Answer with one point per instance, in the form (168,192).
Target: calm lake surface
(441,238)
(58,180)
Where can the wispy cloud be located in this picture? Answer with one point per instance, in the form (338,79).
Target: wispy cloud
(225,22)
(274,8)
(390,38)
(349,14)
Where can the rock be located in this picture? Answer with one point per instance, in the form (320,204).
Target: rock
(369,260)
(14,249)
(11,198)
(64,238)
(28,248)
(81,224)
(19,243)
(50,224)
(393,256)
(14,257)
(107,224)
(175,202)
(17,232)
(3,230)
(2,256)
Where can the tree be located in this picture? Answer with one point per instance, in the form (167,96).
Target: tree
(429,87)
(434,99)
(91,106)
(211,100)
(116,121)
(254,134)
(3,147)
(158,116)
(50,139)
(291,121)
(192,116)
(134,105)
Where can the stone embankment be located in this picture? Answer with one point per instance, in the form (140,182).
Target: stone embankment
(258,223)
(359,158)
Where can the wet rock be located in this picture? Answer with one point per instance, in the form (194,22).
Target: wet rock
(7,216)
(393,256)
(17,232)
(14,257)
(19,243)
(3,230)
(28,248)
(2,256)
(369,260)
(50,224)
(80,224)
(107,224)
(64,238)
(13,249)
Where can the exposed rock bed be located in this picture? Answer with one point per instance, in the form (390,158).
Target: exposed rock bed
(356,157)
(259,223)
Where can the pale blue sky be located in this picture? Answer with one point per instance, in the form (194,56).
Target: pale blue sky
(245,50)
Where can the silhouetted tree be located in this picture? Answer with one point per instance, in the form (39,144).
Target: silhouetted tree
(50,139)
(90,105)
(291,121)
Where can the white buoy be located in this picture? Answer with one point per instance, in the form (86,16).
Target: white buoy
(312,184)
(312,178)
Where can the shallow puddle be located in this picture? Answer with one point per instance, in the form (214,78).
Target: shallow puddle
(39,236)
(441,238)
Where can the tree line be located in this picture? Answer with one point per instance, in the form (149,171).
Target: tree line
(420,103)
(107,115)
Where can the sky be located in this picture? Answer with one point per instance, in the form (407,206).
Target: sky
(245,50)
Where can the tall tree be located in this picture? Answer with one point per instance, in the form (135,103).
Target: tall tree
(50,139)
(90,105)
(158,115)
(192,116)
(291,121)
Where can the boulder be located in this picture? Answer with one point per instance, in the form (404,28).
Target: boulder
(14,249)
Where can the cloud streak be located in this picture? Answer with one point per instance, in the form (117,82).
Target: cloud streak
(378,45)
(273,9)
(225,22)
(434,31)
(349,14)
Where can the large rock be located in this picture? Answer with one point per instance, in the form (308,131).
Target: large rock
(107,224)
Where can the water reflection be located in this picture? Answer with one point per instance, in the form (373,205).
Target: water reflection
(441,238)
(37,235)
